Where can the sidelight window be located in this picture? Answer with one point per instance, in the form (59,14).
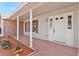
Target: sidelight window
(70,22)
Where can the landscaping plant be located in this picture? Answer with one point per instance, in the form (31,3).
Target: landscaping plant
(5,44)
(17,49)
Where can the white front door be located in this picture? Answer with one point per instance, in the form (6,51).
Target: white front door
(59,29)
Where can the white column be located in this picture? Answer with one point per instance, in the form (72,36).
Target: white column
(31,18)
(24,28)
(17,27)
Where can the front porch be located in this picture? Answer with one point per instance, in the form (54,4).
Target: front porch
(46,48)
(23,39)
(37,23)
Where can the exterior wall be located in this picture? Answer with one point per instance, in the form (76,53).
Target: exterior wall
(42,28)
(43,24)
(78,29)
(9,27)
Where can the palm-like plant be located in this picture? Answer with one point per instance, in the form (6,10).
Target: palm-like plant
(5,44)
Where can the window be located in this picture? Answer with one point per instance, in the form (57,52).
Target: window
(70,22)
(34,28)
(56,19)
(27,26)
(50,23)
(0,30)
(61,17)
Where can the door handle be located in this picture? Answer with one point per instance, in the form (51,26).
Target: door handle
(53,30)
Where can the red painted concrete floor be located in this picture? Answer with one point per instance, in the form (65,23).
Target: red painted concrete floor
(8,52)
(47,48)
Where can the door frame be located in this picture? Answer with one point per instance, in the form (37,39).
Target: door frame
(67,13)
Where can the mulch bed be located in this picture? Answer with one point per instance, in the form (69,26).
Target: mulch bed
(8,52)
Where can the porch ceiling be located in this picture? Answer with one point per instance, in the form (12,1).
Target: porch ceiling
(47,7)
(51,7)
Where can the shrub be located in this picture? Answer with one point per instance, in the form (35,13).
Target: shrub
(5,44)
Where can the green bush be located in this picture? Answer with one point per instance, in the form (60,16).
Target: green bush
(5,44)
(17,49)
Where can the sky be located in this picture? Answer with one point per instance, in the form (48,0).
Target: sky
(7,8)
